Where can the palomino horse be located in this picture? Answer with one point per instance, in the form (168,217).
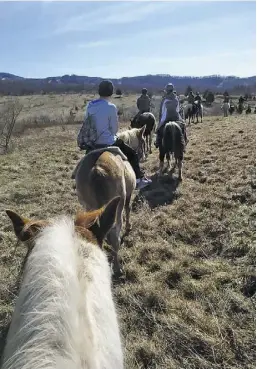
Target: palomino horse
(190,112)
(173,142)
(225,107)
(135,139)
(147,119)
(101,175)
(65,317)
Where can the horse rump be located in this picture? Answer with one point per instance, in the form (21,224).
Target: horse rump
(145,119)
(173,140)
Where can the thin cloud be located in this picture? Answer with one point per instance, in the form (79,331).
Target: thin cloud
(181,30)
(124,13)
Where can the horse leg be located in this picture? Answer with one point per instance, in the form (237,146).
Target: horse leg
(127,212)
(150,143)
(161,168)
(143,151)
(147,143)
(161,158)
(168,161)
(171,169)
(180,164)
(114,239)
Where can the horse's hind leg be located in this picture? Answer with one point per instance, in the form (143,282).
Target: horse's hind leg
(168,161)
(115,240)
(174,165)
(161,158)
(127,213)
(180,164)
(150,143)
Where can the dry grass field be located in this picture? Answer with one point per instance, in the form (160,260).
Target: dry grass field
(48,110)
(187,300)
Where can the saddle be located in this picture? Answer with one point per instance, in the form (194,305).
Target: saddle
(115,150)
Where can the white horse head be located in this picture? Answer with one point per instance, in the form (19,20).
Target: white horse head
(65,315)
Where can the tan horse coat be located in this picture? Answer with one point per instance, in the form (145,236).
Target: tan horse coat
(100,176)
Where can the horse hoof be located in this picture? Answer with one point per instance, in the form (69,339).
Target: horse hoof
(180,179)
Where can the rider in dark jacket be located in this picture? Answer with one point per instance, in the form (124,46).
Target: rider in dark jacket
(198,98)
(191,98)
(144,102)
(241,100)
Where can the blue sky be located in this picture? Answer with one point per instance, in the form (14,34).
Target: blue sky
(115,39)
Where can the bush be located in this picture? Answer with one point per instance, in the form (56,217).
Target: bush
(118,92)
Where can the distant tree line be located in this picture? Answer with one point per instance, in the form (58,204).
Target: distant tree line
(129,85)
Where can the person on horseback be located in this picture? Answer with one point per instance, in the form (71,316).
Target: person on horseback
(241,100)
(198,98)
(144,102)
(191,98)
(169,111)
(100,129)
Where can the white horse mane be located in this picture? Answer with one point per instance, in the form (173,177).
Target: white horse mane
(64,316)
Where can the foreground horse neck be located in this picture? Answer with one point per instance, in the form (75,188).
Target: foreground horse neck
(65,310)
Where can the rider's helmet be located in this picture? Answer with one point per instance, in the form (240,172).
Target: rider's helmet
(198,93)
(169,88)
(144,91)
(105,88)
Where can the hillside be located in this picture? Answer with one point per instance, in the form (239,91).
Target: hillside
(18,85)
(188,296)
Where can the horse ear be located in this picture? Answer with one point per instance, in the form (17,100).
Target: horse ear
(24,228)
(106,220)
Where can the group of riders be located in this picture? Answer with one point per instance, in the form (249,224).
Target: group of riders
(100,126)
(239,106)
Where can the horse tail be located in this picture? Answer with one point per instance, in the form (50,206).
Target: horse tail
(175,139)
(168,140)
(96,177)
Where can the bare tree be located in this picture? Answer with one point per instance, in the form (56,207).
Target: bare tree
(8,117)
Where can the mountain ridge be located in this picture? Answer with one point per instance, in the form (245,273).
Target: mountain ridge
(216,83)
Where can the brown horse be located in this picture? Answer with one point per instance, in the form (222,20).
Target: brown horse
(100,176)
(173,142)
